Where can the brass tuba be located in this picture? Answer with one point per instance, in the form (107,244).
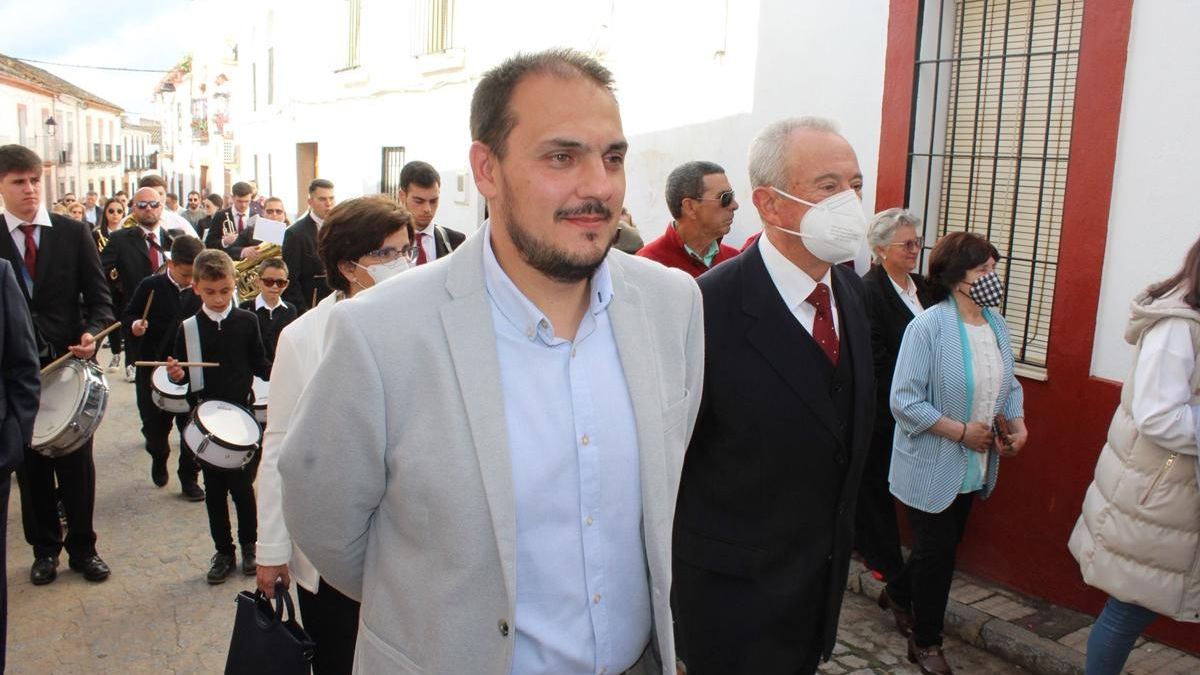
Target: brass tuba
(247,270)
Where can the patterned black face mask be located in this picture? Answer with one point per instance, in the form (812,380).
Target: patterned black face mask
(987,291)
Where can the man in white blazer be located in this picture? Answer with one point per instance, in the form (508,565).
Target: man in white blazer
(489,453)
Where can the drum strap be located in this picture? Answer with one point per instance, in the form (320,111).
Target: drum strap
(191,339)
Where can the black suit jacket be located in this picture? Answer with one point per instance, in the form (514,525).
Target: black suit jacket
(216,229)
(169,307)
(70,293)
(889,317)
(126,258)
(445,240)
(304,267)
(20,382)
(765,514)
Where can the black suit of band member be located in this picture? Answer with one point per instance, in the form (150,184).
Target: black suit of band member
(271,322)
(216,231)
(304,267)
(169,307)
(877,533)
(445,240)
(765,514)
(70,297)
(20,384)
(126,261)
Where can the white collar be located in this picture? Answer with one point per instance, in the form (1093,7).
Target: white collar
(171,278)
(316,219)
(259,303)
(42,217)
(218,317)
(793,284)
(147,230)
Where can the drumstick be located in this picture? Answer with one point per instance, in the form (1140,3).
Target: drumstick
(63,359)
(181,364)
(146,312)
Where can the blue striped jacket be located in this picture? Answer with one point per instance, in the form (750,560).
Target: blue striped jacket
(931,382)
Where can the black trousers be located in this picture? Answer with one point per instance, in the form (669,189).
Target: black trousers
(331,620)
(76,477)
(5,488)
(156,427)
(219,486)
(876,532)
(924,583)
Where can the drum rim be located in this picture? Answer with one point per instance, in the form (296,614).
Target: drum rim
(91,374)
(171,395)
(207,433)
(73,436)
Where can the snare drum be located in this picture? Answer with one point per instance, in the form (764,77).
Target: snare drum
(262,390)
(74,397)
(222,435)
(167,395)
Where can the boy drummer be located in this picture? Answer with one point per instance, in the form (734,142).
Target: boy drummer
(230,337)
(154,338)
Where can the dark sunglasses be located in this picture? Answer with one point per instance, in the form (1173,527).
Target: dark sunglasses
(147,205)
(119,212)
(274,283)
(726,198)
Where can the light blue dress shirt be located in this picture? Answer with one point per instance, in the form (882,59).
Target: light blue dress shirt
(583,598)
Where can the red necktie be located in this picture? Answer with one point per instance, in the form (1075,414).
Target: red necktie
(421,259)
(30,249)
(155,260)
(239,223)
(823,330)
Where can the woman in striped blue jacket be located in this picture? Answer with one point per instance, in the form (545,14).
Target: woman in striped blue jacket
(954,375)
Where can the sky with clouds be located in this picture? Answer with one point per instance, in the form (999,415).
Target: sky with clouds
(120,33)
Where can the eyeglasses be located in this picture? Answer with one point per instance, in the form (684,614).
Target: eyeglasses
(147,205)
(274,283)
(390,253)
(911,246)
(116,212)
(726,198)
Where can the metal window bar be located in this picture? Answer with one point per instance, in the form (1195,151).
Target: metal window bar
(433,22)
(393,161)
(352,50)
(990,138)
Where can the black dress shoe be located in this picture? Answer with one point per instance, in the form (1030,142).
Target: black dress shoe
(249,560)
(44,570)
(92,568)
(930,660)
(192,492)
(158,470)
(222,567)
(902,615)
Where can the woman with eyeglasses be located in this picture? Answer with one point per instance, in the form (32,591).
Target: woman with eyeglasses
(362,242)
(958,409)
(212,204)
(895,294)
(112,220)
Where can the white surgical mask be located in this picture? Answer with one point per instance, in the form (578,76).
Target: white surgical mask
(834,229)
(380,272)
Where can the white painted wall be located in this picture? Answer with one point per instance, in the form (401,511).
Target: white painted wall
(696,79)
(1153,219)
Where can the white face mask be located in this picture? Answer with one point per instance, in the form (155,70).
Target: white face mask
(834,229)
(380,272)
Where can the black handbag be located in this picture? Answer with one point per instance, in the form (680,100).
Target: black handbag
(263,643)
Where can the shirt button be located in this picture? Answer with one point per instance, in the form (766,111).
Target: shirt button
(585,440)
(588,521)
(503,626)
(529,333)
(572,353)
(596,599)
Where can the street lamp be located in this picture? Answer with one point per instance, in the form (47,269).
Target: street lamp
(51,126)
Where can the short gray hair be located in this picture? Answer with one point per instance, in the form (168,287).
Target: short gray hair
(883,226)
(687,182)
(768,150)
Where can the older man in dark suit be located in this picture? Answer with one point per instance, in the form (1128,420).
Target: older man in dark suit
(19,388)
(300,249)
(68,299)
(765,516)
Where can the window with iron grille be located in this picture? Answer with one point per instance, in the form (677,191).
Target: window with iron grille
(354,13)
(393,161)
(994,94)
(432,26)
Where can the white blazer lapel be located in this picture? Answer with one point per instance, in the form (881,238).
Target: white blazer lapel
(470,334)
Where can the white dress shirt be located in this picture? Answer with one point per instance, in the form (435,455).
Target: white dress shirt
(794,286)
(42,217)
(218,317)
(908,295)
(426,240)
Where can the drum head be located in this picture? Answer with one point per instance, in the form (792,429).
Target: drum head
(161,382)
(262,390)
(62,390)
(231,424)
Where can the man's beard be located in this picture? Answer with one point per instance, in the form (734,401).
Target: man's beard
(148,220)
(556,263)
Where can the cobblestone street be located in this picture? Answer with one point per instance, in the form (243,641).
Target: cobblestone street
(156,614)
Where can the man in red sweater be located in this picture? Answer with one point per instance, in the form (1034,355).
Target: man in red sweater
(702,203)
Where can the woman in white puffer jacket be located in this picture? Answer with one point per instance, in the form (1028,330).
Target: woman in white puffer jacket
(1138,538)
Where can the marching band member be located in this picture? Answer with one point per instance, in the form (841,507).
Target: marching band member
(58,265)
